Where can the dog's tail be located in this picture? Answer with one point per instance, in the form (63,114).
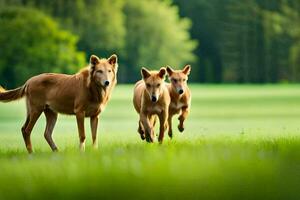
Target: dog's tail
(12,95)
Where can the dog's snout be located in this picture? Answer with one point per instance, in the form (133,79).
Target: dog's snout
(180,91)
(153,98)
(106,83)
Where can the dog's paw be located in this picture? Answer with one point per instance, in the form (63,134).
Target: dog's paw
(152,139)
(143,136)
(160,141)
(148,139)
(180,128)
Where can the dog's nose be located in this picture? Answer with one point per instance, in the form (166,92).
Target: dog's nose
(180,91)
(106,83)
(153,99)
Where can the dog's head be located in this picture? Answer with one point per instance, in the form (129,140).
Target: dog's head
(154,81)
(178,78)
(103,71)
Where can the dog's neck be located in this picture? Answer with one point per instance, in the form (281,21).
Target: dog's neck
(98,92)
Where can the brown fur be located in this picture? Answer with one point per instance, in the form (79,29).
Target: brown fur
(83,94)
(11,95)
(151,97)
(180,103)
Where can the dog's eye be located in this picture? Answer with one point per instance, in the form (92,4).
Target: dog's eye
(174,80)
(184,79)
(148,85)
(100,71)
(109,71)
(158,85)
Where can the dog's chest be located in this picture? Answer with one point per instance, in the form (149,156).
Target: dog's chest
(155,109)
(176,105)
(93,109)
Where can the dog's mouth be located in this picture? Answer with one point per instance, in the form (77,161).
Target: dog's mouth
(100,85)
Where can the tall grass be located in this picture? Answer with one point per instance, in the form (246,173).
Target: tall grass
(240,142)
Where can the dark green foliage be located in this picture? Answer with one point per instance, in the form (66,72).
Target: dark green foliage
(240,40)
(141,32)
(99,24)
(32,43)
(231,41)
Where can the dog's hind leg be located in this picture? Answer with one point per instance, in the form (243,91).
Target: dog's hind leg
(153,120)
(25,125)
(170,132)
(51,118)
(28,126)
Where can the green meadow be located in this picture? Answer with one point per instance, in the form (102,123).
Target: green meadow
(240,142)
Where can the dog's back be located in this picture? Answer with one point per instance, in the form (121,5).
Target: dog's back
(58,91)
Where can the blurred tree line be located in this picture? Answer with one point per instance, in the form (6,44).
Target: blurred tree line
(143,33)
(250,41)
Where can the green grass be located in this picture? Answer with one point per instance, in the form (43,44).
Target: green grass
(240,142)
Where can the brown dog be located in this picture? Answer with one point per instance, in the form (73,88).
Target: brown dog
(151,97)
(180,96)
(84,94)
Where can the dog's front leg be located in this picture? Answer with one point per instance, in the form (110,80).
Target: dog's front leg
(182,117)
(80,125)
(94,125)
(147,127)
(163,124)
(141,130)
(170,132)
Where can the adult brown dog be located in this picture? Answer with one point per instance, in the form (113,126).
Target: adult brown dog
(84,94)
(180,96)
(151,97)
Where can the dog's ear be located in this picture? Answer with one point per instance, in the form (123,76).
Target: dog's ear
(145,73)
(170,70)
(94,60)
(162,72)
(2,89)
(113,59)
(187,69)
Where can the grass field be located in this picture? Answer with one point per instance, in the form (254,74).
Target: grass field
(240,142)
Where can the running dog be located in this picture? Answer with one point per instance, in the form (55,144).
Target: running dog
(151,98)
(180,96)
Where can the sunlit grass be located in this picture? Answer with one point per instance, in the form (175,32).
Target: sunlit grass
(240,142)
